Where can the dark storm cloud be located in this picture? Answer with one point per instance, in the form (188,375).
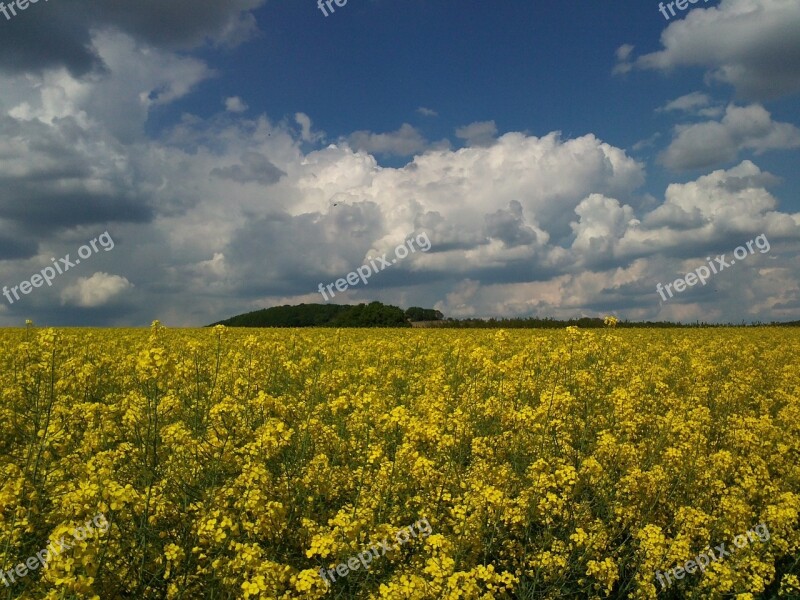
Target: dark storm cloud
(41,152)
(56,33)
(43,211)
(47,184)
(47,36)
(12,247)
(70,316)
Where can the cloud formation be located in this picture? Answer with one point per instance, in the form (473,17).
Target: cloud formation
(255,167)
(234,211)
(750,44)
(235,104)
(714,143)
(94,291)
(61,34)
(406,141)
(696,103)
(480,133)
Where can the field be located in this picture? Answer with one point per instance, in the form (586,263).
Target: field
(235,463)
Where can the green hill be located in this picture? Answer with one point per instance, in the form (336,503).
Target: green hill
(374,314)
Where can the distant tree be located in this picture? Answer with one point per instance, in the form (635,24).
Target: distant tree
(374,314)
(416,313)
(377,314)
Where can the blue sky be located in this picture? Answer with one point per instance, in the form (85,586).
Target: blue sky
(562,158)
(534,67)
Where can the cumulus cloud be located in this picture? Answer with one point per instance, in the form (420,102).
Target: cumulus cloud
(485,207)
(527,225)
(717,206)
(602,223)
(306,132)
(750,44)
(519,224)
(427,112)
(94,291)
(619,256)
(647,143)
(235,104)
(623,64)
(255,167)
(137,79)
(480,133)
(60,34)
(406,141)
(716,142)
(509,226)
(59,176)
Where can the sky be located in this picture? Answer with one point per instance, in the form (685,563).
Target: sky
(190,160)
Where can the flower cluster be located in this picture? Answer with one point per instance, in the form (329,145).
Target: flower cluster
(354,563)
(549,464)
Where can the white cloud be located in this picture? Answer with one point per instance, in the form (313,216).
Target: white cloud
(602,222)
(137,79)
(752,45)
(306,133)
(235,104)
(427,112)
(646,143)
(94,291)
(736,198)
(237,213)
(624,51)
(406,141)
(214,267)
(480,133)
(62,38)
(688,103)
(713,143)
(723,205)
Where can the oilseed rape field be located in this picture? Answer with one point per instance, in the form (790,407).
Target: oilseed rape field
(268,464)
